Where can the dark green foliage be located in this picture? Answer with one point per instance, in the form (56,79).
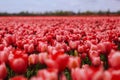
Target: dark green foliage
(104,58)
(33,69)
(73,53)
(67,74)
(10,73)
(86,61)
(119,46)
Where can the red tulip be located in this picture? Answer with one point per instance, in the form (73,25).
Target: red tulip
(33,59)
(74,62)
(114,59)
(18,78)
(3,71)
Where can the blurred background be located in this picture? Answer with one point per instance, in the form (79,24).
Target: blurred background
(59,6)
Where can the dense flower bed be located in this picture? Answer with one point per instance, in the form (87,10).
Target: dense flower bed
(60,48)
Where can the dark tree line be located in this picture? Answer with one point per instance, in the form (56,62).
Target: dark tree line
(60,13)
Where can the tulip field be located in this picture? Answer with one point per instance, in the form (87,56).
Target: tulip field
(60,48)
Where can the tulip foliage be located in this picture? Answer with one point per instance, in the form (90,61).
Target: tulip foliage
(60,48)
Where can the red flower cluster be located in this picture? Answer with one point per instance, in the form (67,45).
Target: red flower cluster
(60,48)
